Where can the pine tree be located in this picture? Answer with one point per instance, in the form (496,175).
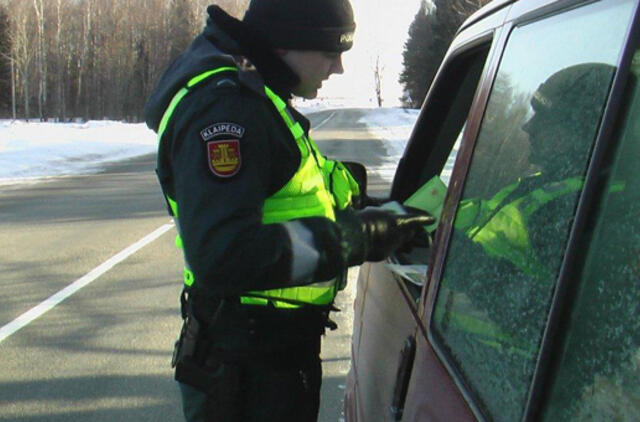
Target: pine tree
(430,34)
(449,15)
(415,57)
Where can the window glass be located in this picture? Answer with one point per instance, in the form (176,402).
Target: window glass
(442,121)
(599,371)
(454,93)
(517,206)
(447,170)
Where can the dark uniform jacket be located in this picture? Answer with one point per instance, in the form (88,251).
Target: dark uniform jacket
(226,245)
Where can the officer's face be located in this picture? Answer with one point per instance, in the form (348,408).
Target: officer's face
(312,67)
(553,136)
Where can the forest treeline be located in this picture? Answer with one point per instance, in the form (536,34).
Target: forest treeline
(97,59)
(91,59)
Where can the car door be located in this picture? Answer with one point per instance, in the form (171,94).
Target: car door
(388,298)
(509,238)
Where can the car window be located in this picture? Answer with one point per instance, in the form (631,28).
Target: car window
(448,138)
(599,370)
(518,202)
(435,142)
(441,121)
(447,170)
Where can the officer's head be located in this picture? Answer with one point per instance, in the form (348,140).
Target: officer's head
(309,35)
(567,109)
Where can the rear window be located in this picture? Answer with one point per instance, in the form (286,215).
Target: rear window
(518,203)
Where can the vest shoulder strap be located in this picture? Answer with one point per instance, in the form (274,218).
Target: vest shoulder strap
(193,82)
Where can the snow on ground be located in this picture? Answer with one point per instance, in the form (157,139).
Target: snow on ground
(393,126)
(35,150)
(331,103)
(30,152)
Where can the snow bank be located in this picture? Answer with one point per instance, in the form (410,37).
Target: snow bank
(31,151)
(34,149)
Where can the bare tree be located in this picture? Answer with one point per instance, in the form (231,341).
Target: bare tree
(377,80)
(95,58)
(235,7)
(22,51)
(59,64)
(41,55)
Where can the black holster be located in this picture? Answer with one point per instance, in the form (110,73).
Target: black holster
(196,366)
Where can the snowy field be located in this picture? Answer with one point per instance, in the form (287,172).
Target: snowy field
(34,151)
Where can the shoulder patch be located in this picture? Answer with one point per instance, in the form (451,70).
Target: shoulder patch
(225,129)
(224,157)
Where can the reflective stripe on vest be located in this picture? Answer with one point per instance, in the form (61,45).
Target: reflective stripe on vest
(502,229)
(187,274)
(307,194)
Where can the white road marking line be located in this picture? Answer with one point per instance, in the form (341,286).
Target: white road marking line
(55,299)
(324,121)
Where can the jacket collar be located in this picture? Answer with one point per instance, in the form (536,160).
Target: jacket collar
(250,51)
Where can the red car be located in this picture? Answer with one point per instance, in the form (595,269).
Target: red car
(526,305)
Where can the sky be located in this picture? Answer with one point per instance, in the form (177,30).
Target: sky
(382,27)
(32,152)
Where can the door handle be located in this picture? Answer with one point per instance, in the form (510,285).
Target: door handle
(403,376)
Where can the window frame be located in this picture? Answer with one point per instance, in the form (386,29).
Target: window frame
(444,231)
(464,44)
(573,258)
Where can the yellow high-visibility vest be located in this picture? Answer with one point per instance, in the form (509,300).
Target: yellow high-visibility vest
(317,188)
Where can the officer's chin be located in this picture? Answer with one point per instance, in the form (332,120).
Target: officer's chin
(306,91)
(307,95)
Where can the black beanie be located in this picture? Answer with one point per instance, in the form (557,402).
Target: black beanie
(324,25)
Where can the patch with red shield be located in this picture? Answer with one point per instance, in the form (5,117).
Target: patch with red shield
(224,157)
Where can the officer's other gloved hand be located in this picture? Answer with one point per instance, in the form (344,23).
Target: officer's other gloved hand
(373,234)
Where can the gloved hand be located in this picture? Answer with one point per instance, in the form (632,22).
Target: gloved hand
(354,237)
(373,234)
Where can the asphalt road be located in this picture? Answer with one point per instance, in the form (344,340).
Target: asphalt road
(103,353)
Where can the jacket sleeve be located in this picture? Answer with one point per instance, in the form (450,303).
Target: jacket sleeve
(226,245)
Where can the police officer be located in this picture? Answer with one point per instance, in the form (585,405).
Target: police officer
(266,222)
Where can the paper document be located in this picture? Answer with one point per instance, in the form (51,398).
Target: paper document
(415,273)
(430,198)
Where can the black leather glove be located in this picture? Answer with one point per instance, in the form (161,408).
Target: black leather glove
(373,234)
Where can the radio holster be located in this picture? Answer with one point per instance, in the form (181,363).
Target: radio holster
(195,364)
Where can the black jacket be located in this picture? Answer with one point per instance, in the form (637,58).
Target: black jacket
(228,248)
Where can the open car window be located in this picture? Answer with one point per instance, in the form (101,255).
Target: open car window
(518,203)
(437,136)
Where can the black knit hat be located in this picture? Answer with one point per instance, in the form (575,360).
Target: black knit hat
(324,25)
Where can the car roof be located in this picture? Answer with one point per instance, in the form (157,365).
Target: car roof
(485,10)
